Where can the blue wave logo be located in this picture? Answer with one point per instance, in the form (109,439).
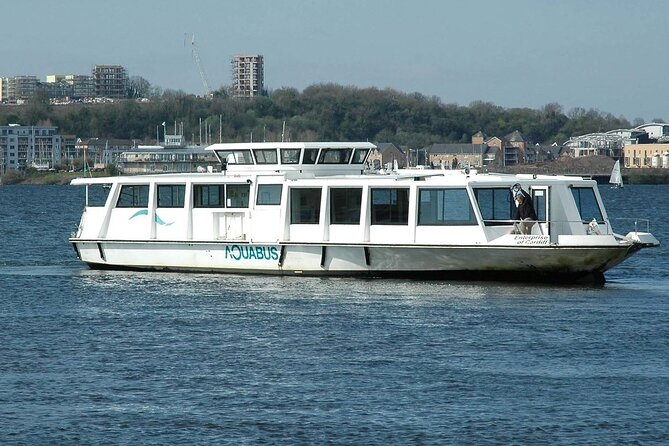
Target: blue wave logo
(146,212)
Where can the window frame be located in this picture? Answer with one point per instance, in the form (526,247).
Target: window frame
(259,195)
(339,208)
(139,199)
(397,215)
(180,195)
(296,211)
(443,205)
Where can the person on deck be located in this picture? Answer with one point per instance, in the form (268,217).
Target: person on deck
(524,213)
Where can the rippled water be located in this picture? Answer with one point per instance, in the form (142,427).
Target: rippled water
(90,357)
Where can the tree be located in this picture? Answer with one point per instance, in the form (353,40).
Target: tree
(138,87)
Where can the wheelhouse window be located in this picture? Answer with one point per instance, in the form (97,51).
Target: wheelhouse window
(345,206)
(495,204)
(237,195)
(390,206)
(133,196)
(305,205)
(265,156)
(208,196)
(335,156)
(235,156)
(171,195)
(310,156)
(359,156)
(269,194)
(587,205)
(290,156)
(445,207)
(97,194)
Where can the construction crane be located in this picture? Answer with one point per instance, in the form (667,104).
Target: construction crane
(198,63)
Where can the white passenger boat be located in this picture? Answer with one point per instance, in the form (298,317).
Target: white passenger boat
(312,209)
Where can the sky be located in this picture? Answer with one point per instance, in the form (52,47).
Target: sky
(607,55)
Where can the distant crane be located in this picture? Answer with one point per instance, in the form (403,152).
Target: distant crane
(198,64)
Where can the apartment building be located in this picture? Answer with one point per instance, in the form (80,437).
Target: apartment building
(17,88)
(110,81)
(248,76)
(69,85)
(29,146)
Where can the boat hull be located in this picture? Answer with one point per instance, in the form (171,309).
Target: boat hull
(524,263)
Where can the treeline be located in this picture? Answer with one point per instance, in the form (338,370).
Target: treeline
(319,112)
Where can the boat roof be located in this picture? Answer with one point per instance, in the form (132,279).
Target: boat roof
(463,176)
(291,145)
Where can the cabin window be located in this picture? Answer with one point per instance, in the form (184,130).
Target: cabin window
(359,156)
(235,156)
(310,156)
(305,205)
(390,206)
(171,195)
(97,194)
(290,156)
(269,194)
(445,207)
(586,202)
(208,196)
(335,156)
(237,195)
(265,156)
(495,204)
(345,206)
(133,196)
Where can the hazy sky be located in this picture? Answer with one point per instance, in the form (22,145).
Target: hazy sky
(604,54)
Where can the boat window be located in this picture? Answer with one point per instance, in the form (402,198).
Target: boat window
(586,202)
(335,156)
(345,206)
(237,195)
(359,156)
(290,156)
(269,194)
(97,194)
(445,207)
(539,200)
(133,196)
(208,196)
(305,205)
(495,204)
(171,195)
(235,156)
(390,206)
(310,156)
(265,156)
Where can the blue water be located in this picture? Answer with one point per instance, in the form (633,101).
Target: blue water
(90,357)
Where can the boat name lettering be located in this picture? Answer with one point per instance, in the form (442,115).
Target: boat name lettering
(238,252)
(531,239)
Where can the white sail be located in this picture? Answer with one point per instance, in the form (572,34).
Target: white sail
(616,177)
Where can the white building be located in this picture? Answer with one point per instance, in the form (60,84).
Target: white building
(657,131)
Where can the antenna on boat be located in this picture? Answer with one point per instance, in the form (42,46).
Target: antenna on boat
(283,131)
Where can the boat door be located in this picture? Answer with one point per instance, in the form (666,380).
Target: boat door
(540,199)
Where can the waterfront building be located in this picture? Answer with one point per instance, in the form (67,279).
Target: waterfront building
(646,155)
(656,131)
(25,146)
(456,155)
(248,76)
